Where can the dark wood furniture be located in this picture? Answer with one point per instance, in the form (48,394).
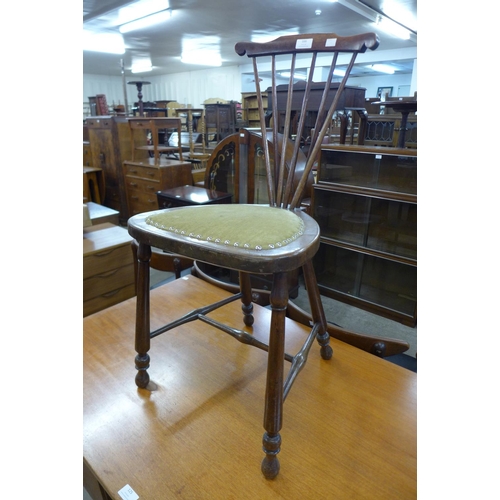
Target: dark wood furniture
(163,261)
(183,196)
(351,97)
(276,239)
(108,269)
(405,108)
(365,202)
(139,84)
(93,184)
(220,119)
(351,428)
(110,145)
(144,179)
(87,154)
(384,130)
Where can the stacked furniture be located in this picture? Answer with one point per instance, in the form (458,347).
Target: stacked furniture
(108,268)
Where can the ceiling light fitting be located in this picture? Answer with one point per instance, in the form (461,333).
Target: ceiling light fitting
(141,67)
(145,22)
(109,43)
(210,58)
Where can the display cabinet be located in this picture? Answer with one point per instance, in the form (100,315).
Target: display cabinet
(365,202)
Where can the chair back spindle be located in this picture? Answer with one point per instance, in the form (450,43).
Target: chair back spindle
(280,177)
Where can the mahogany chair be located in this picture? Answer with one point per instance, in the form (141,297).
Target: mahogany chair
(275,239)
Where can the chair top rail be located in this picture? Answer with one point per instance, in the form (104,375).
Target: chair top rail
(306,43)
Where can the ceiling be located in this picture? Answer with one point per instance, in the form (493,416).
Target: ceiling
(222,23)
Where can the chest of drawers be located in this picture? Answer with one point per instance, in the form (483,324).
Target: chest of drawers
(108,267)
(143,180)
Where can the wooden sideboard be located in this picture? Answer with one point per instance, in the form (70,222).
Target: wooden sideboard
(144,179)
(108,267)
(352,97)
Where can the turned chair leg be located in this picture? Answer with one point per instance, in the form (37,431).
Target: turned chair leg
(273,412)
(142,326)
(246,298)
(317,311)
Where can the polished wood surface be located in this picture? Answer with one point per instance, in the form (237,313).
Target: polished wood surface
(190,195)
(350,423)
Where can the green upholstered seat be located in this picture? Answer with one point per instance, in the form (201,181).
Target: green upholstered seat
(253,227)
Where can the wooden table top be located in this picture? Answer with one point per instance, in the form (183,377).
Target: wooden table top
(349,427)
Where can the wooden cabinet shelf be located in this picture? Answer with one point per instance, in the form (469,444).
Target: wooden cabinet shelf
(365,203)
(251,110)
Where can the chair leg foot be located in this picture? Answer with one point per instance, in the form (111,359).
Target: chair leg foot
(142,376)
(326,350)
(270,466)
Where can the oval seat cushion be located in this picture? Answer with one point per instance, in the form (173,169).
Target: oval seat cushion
(253,227)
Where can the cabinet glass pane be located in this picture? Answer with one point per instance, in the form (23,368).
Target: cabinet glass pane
(372,170)
(383,225)
(380,281)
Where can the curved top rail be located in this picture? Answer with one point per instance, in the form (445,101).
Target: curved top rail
(311,42)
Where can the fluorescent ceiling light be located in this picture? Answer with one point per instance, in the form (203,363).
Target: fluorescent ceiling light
(204,51)
(140,9)
(383,68)
(339,72)
(110,43)
(141,67)
(147,21)
(392,28)
(202,57)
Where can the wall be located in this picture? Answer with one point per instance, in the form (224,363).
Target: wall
(190,87)
(194,87)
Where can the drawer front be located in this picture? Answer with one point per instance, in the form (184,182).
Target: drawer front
(108,281)
(109,299)
(107,260)
(146,186)
(139,203)
(100,122)
(142,171)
